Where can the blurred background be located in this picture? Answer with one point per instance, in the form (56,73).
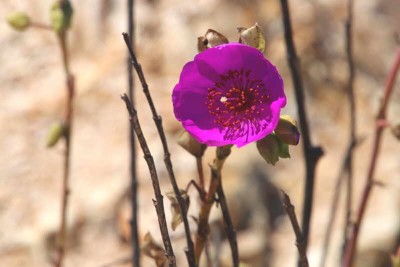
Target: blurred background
(32,93)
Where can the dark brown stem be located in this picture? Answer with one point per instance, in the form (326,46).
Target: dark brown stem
(167,156)
(229,229)
(311,153)
(352,243)
(158,203)
(133,175)
(200,190)
(353,121)
(203,227)
(67,153)
(300,241)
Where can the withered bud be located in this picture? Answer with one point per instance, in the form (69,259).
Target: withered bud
(287,130)
(210,39)
(18,21)
(175,209)
(253,37)
(190,144)
(56,132)
(153,250)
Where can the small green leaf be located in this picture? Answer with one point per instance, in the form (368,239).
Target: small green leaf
(61,15)
(268,147)
(56,131)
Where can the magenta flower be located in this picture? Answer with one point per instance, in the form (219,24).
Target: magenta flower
(229,94)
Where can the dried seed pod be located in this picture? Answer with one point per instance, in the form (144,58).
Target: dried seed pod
(252,37)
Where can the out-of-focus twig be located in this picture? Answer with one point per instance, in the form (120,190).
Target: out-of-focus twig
(379,127)
(158,203)
(133,175)
(347,164)
(311,153)
(229,229)
(353,119)
(167,156)
(300,241)
(68,120)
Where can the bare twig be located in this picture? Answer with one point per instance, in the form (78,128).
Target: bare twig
(300,241)
(133,175)
(203,227)
(70,86)
(311,153)
(158,203)
(199,163)
(347,165)
(229,229)
(379,127)
(353,121)
(167,157)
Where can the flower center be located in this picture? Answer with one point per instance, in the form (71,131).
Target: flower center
(237,102)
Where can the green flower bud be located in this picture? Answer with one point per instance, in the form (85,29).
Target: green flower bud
(19,21)
(283,150)
(56,131)
(252,37)
(268,147)
(191,145)
(175,209)
(287,130)
(61,15)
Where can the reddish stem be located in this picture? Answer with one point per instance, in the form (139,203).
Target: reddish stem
(351,245)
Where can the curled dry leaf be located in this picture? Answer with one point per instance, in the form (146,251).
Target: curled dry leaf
(175,210)
(153,250)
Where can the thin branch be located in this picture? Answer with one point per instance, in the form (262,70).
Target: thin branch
(379,127)
(133,174)
(347,164)
(300,241)
(199,164)
(229,229)
(203,226)
(311,153)
(167,156)
(353,121)
(68,120)
(158,203)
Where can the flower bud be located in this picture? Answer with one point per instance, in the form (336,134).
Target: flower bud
(252,37)
(287,130)
(268,147)
(61,15)
(56,132)
(175,209)
(190,144)
(210,39)
(283,150)
(396,131)
(19,21)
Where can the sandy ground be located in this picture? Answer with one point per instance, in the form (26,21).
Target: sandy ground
(32,95)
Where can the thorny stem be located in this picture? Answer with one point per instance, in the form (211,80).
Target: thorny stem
(67,153)
(167,157)
(203,227)
(300,241)
(134,183)
(352,243)
(158,203)
(311,153)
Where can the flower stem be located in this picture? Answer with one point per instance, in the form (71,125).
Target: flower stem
(203,227)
